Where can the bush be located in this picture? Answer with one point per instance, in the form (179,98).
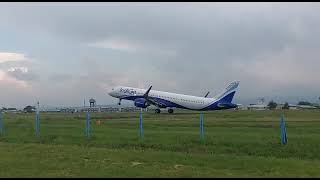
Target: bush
(272,105)
(285,106)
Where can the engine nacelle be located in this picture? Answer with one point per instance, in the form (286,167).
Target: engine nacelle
(141,103)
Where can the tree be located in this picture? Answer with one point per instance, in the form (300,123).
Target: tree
(29,109)
(305,103)
(285,106)
(272,105)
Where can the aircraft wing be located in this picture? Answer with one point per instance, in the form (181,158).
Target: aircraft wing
(155,102)
(152,100)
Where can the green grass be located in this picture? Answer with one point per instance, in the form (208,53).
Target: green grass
(237,144)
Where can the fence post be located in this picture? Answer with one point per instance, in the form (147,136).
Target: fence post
(140,125)
(37,121)
(1,123)
(283,132)
(88,124)
(201,128)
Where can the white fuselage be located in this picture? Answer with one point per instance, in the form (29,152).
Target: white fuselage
(163,99)
(191,102)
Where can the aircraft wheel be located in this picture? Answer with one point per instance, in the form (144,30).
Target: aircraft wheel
(157,111)
(170,111)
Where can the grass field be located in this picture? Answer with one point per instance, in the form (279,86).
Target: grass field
(237,144)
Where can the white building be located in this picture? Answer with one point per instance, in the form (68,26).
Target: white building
(305,107)
(257,107)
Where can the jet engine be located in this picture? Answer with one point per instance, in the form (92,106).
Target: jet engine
(141,103)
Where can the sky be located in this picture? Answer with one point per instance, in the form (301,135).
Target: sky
(62,53)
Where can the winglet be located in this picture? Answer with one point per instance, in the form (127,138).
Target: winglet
(147,92)
(207,94)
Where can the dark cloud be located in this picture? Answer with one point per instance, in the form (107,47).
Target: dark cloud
(183,47)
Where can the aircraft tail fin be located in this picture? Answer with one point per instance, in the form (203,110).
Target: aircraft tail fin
(227,95)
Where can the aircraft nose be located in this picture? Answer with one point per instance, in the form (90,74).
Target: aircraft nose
(110,92)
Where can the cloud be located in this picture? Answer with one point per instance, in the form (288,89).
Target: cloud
(22,74)
(117,44)
(131,46)
(16,65)
(7,56)
(21,69)
(7,80)
(58,78)
(188,48)
(15,93)
(284,68)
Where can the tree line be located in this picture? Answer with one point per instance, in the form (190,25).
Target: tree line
(273,105)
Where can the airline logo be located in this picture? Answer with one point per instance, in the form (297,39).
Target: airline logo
(128,91)
(232,86)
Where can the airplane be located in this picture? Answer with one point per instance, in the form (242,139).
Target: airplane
(143,98)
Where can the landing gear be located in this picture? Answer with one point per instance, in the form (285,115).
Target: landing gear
(170,111)
(119,103)
(157,111)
